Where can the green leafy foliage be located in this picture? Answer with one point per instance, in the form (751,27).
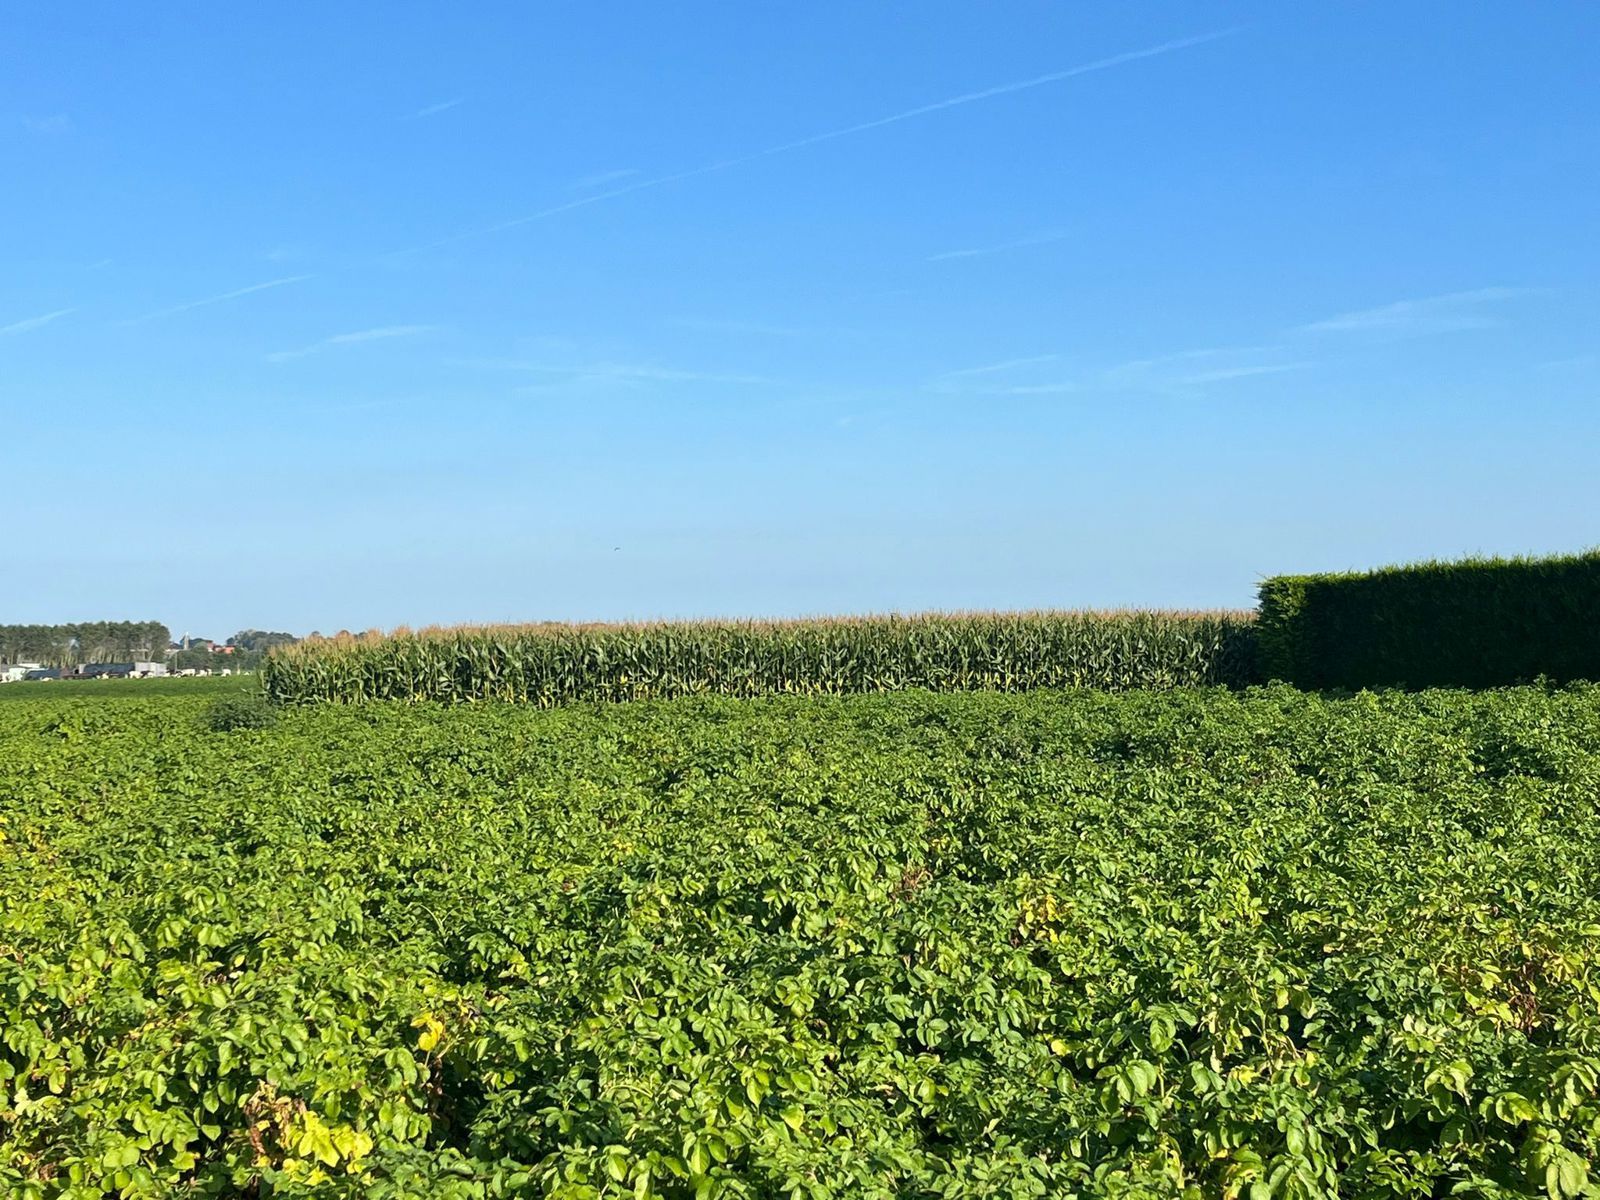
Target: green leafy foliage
(547,665)
(212,686)
(1195,943)
(248,711)
(1475,623)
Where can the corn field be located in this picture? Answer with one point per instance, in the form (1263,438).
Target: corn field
(550,665)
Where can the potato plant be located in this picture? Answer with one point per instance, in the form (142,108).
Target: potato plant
(1195,943)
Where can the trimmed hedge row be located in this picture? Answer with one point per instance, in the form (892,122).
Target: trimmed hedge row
(1485,622)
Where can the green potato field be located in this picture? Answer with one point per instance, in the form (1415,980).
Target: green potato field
(1198,943)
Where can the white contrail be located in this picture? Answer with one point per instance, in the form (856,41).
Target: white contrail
(237,292)
(1004,89)
(347,339)
(1438,312)
(1038,239)
(35,322)
(434,110)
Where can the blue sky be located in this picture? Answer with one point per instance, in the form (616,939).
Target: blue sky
(323,316)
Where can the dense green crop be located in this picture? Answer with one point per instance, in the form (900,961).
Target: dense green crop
(213,686)
(1197,943)
(558,664)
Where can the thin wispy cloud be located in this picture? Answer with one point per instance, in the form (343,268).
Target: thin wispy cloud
(1573,363)
(828,135)
(1061,387)
(996,368)
(740,328)
(1189,373)
(601,178)
(1187,370)
(1038,239)
(645,373)
(1024,376)
(31,323)
(1223,374)
(1135,369)
(615,373)
(221,298)
(55,123)
(433,110)
(1447,313)
(1182,374)
(382,333)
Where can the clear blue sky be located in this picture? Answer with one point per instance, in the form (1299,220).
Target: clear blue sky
(322,316)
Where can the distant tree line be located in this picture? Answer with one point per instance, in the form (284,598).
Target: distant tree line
(84,642)
(132,641)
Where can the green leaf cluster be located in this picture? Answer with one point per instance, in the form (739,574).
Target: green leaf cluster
(250,711)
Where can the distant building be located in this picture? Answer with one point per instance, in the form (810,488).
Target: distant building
(43,675)
(15,672)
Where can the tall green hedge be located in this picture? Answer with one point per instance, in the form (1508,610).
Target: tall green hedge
(1482,622)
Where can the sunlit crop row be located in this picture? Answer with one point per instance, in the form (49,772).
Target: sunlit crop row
(547,665)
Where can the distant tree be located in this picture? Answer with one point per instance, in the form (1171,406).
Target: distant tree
(260,640)
(154,639)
